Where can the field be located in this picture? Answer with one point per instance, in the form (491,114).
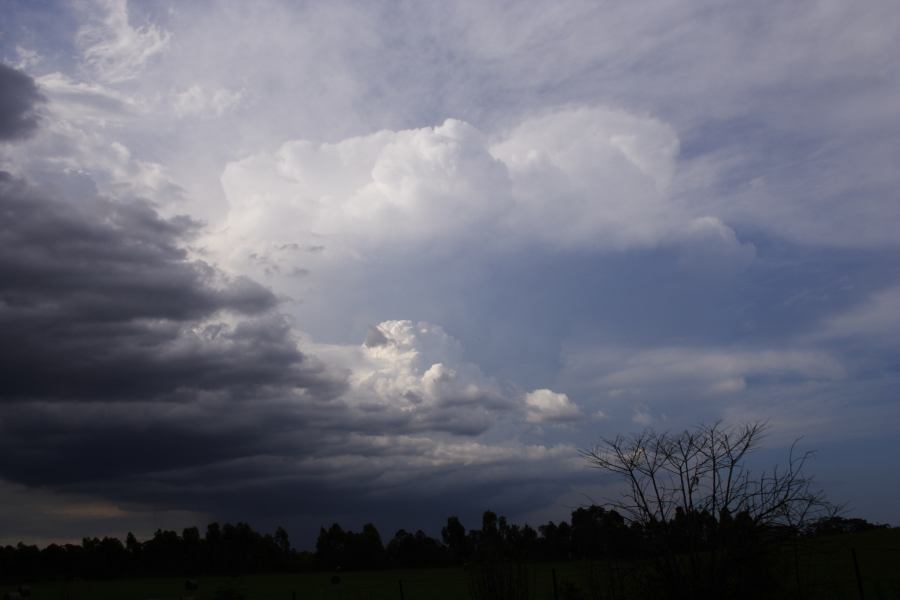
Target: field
(438,584)
(822,569)
(827,565)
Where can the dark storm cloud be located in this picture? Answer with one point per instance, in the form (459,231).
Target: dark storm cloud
(18,98)
(316,480)
(306,501)
(99,301)
(116,447)
(131,372)
(121,356)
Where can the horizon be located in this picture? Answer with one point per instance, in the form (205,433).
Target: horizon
(294,264)
(310,547)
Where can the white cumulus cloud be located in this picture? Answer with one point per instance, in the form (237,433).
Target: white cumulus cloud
(581,178)
(409,377)
(548,406)
(412,377)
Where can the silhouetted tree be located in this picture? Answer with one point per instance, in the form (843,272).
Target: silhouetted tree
(133,547)
(835,525)
(500,570)
(416,550)
(597,532)
(704,514)
(454,537)
(282,541)
(330,547)
(238,549)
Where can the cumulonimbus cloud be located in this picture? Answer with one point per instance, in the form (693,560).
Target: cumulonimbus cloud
(115,338)
(590,178)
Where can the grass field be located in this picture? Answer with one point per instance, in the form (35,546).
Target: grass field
(827,566)
(438,584)
(822,569)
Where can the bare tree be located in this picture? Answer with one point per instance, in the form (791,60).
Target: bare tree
(702,509)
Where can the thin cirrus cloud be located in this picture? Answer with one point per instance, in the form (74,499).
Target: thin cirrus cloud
(112,48)
(702,370)
(875,318)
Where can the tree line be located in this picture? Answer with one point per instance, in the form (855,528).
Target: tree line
(593,532)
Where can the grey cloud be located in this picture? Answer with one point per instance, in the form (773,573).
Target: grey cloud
(19,97)
(795,145)
(133,373)
(395,481)
(124,448)
(375,338)
(257,461)
(99,300)
(43,516)
(121,356)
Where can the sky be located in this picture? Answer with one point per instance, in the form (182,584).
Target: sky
(294,263)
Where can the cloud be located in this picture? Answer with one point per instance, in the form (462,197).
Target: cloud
(132,373)
(593,178)
(19,98)
(112,49)
(714,247)
(694,187)
(205,102)
(117,337)
(383,190)
(98,299)
(642,417)
(874,317)
(41,516)
(412,377)
(79,137)
(708,371)
(28,58)
(545,405)
(751,152)
(82,102)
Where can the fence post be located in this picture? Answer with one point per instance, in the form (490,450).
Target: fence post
(797,571)
(402,597)
(555,590)
(859,583)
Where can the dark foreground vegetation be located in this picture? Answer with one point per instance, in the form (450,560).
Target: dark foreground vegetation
(694,523)
(595,555)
